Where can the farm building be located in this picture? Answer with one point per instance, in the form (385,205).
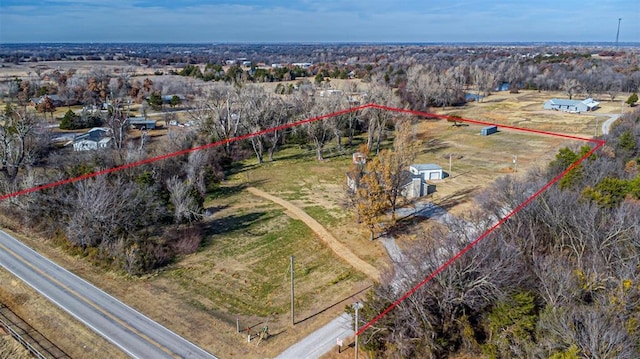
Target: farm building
(141,123)
(418,176)
(427,171)
(573,106)
(415,180)
(486,131)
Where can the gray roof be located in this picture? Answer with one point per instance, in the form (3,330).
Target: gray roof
(564,102)
(427,167)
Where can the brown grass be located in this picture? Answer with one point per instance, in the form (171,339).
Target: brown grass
(10,348)
(525,109)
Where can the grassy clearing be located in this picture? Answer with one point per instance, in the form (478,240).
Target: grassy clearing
(243,267)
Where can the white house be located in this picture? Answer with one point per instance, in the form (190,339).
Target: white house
(95,138)
(573,106)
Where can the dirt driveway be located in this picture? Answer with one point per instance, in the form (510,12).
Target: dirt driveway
(338,248)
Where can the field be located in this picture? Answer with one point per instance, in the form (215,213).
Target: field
(241,271)
(525,109)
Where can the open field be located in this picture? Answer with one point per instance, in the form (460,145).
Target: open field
(525,109)
(25,70)
(479,160)
(243,266)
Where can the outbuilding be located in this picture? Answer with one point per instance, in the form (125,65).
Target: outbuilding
(428,172)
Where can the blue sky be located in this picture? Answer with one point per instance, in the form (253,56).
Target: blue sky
(317,20)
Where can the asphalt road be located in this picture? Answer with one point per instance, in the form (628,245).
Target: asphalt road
(322,340)
(607,124)
(128,329)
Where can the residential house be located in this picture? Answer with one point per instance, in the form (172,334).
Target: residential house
(573,106)
(95,138)
(57,101)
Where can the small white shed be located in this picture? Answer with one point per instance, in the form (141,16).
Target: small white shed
(428,172)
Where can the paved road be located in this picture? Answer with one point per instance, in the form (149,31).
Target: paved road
(128,329)
(607,124)
(322,340)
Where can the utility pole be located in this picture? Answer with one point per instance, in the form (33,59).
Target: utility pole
(293,320)
(618,33)
(515,163)
(450,155)
(357,306)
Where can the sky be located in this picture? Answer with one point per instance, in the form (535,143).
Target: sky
(255,21)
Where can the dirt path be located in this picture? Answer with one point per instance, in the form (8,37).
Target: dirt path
(338,248)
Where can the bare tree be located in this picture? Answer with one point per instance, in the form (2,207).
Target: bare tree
(219,115)
(185,206)
(484,80)
(18,143)
(378,120)
(570,87)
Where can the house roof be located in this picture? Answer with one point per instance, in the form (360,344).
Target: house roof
(591,102)
(564,102)
(427,167)
(95,134)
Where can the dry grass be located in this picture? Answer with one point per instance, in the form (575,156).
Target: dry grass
(10,348)
(525,109)
(478,160)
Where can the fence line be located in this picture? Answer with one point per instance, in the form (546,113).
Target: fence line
(28,337)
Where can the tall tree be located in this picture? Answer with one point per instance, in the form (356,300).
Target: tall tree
(18,144)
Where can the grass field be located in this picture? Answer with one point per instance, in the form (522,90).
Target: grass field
(525,109)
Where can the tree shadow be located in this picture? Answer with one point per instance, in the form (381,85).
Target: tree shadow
(405,225)
(434,145)
(211,210)
(228,224)
(228,191)
(456,198)
(332,305)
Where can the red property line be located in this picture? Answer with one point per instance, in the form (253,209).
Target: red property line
(599,143)
(178,153)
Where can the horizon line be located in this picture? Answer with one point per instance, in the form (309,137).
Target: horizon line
(218,43)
